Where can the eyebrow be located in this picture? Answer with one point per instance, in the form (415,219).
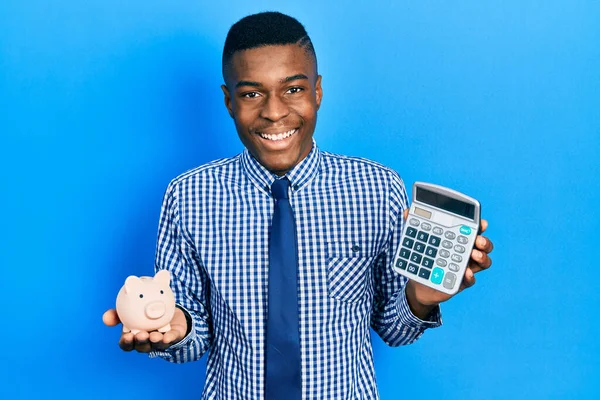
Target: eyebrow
(258,84)
(247,83)
(294,78)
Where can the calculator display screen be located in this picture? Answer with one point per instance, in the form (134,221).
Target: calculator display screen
(446,203)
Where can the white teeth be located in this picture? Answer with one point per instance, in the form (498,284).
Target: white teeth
(278,136)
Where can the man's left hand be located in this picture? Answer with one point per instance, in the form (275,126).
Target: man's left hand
(422,299)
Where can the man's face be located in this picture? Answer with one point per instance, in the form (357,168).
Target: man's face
(273,94)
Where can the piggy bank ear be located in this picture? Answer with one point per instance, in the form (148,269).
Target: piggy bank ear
(163,277)
(131,283)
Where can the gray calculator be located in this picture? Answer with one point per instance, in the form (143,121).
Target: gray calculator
(438,237)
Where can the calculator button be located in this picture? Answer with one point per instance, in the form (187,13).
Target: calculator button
(456,258)
(431,252)
(424,273)
(449,280)
(408,242)
(404,253)
(416,258)
(465,230)
(444,253)
(412,268)
(414,222)
(422,236)
(410,231)
(437,275)
(434,240)
(425,226)
(449,235)
(400,263)
(447,244)
(427,262)
(453,267)
(462,239)
(437,230)
(459,249)
(441,262)
(420,247)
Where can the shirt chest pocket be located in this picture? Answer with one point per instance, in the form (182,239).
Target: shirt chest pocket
(349,269)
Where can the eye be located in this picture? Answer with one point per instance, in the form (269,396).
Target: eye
(161,292)
(250,95)
(141,296)
(295,90)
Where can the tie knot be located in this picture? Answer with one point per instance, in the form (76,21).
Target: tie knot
(279,188)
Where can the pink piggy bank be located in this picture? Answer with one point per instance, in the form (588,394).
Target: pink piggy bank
(146,304)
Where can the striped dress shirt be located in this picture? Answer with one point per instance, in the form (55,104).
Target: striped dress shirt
(213,238)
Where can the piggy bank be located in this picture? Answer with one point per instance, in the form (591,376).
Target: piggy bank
(146,304)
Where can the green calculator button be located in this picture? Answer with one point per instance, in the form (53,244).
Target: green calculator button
(465,230)
(437,275)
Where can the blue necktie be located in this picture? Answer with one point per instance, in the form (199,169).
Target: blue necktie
(283,380)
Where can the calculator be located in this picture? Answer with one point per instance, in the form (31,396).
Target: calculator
(438,237)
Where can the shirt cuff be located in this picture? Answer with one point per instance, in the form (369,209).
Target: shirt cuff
(168,352)
(408,318)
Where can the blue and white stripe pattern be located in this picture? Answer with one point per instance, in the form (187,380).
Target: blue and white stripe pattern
(213,237)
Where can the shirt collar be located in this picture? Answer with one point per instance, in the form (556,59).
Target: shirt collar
(299,176)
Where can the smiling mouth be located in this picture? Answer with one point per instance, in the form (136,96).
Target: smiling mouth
(278,136)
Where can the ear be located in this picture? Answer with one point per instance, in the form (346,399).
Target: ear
(131,283)
(318,92)
(227,99)
(163,277)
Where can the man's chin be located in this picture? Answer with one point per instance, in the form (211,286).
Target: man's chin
(278,167)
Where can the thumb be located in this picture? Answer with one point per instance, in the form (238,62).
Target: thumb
(111,318)
(406,213)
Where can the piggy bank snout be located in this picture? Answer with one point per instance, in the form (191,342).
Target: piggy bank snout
(155,310)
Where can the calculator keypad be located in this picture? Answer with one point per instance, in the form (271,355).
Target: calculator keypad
(433,252)
(408,243)
(420,247)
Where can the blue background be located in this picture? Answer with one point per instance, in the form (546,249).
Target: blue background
(103,102)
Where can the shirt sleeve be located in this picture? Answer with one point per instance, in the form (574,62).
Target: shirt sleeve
(392,317)
(176,252)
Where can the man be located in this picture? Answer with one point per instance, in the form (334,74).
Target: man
(222,234)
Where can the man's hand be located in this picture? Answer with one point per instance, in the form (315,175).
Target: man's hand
(422,299)
(145,342)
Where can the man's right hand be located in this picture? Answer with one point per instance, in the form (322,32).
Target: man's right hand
(145,342)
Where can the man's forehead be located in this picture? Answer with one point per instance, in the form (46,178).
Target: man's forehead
(287,79)
(277,62)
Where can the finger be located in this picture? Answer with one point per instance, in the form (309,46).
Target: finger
(172,336)
(155,337)
(484,244)
(144,347)
(483,225)
(157,341)
(111,318)
(478,256)
(481,259)
(142,337)
(141,342)
(469,278)
(126,341)
(406,213)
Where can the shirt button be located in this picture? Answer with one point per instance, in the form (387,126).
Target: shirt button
(296,187)
(355,248)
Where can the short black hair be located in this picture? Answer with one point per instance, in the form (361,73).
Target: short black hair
(265,29)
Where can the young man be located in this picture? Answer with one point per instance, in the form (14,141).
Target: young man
(281,256)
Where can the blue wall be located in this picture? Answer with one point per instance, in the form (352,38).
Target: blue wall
(103,102)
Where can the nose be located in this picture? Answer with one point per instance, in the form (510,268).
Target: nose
(274,108)
(155,310)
